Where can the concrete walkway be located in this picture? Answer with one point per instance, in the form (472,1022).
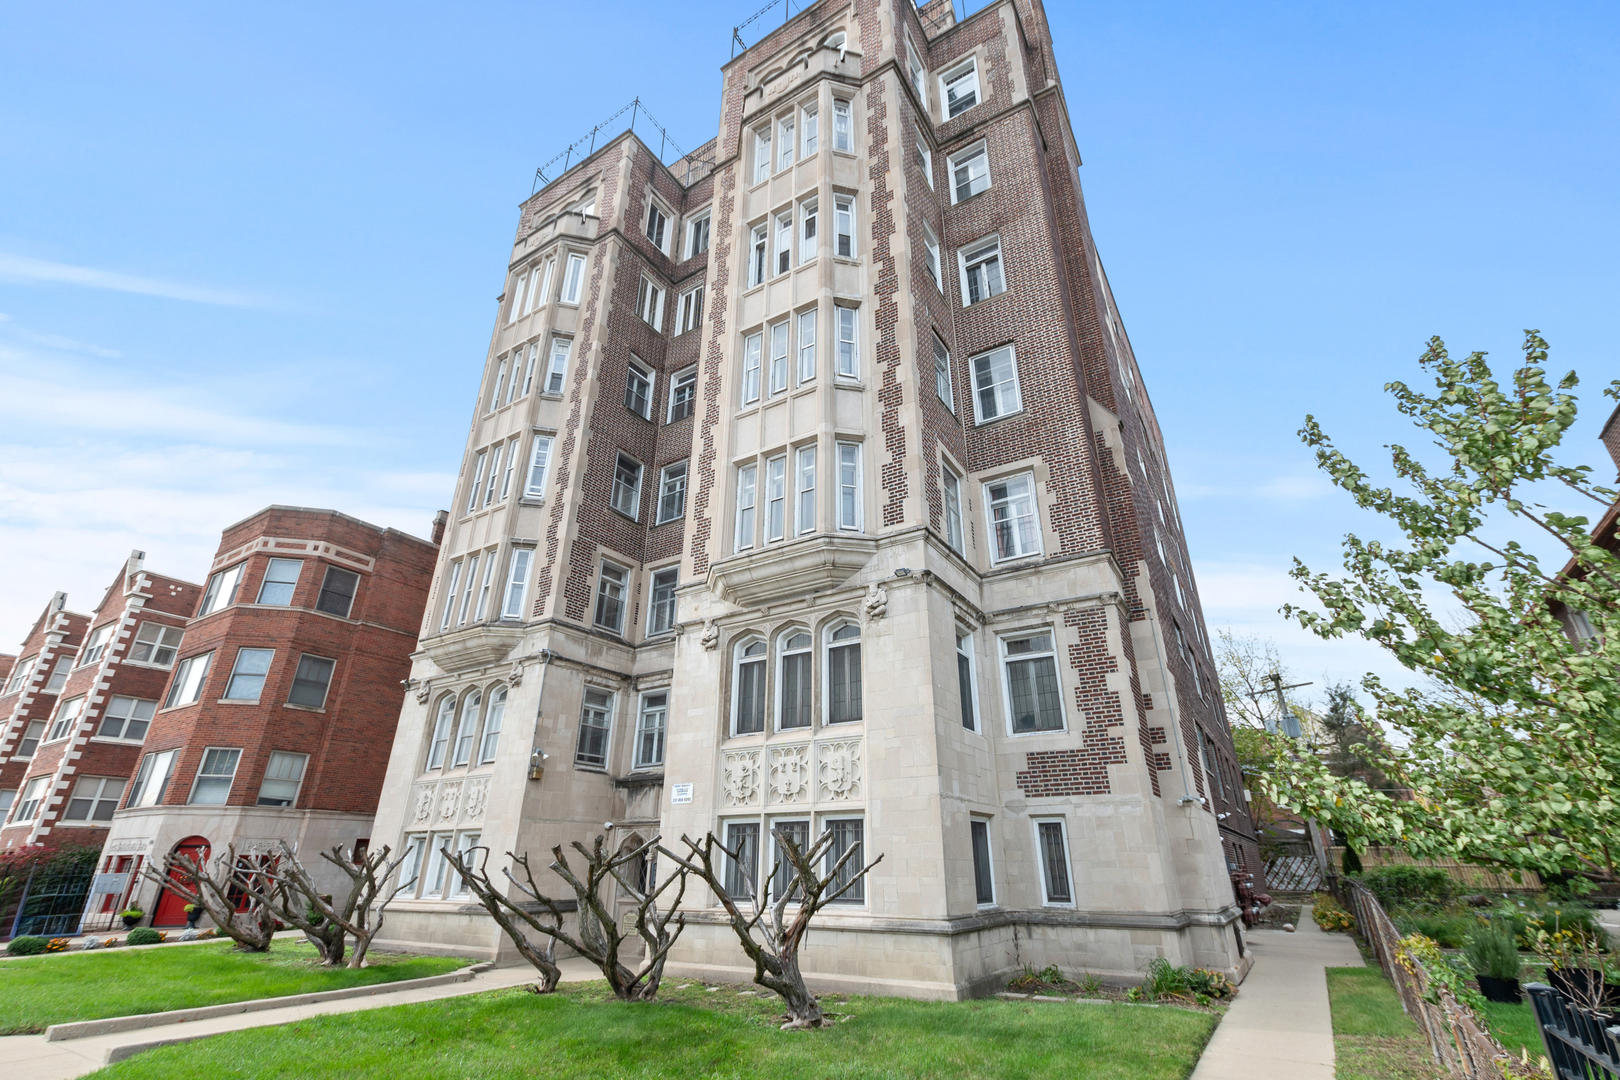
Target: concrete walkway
(1279,1026)
(30,1057)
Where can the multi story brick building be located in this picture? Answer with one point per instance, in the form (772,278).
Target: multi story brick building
(812,485)
(282,700)
(33,682)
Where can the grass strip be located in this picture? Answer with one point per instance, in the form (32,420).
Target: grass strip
(1373,1038)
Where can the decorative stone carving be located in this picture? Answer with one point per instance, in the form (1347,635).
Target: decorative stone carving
(790,774)
(424,805)
(877,601)
(838,771)
(423,691)
(742,779)
(472,807)
(516,676)
(449,799)
(711,636)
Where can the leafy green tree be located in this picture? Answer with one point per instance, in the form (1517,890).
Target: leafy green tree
(1508,754)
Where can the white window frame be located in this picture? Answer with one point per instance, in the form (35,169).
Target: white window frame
(786,142)
(156,644)
(1040,860)
(919,75)
(31,799)
(496,454)
(573,278)
(25,667)
(450,596)
(809,230)
(655,605)
(199,777)
(689,311)
(226,583)
(957,74)
(683,380)
(980,254)
(516,307)
(782,255)
(976,160)
(607,729)
(674,473)
(847,341)
(126,710)
(752,357)
(759,257)
(605,579)
(804,489)
(931,255)
(620,485)
(1007,660)
(534,484)
(844,227)
(747,504)
(148,787)
(562,349)
(776,507)
(1033,517)
(697,233)
(955,513)
(489,739)
(1006,395)
(326,687)
(762,154)
(763,660)
(32,735)
(477,481)
(843,126)
(809,130)
(944,380)
(250,653)
(970,653)
(517,583)
(650,303)
(96,644)
(444,722)
(68,714)
(638,376)
(645,727)
(542,295)
(805,368)
(498,386)
(658,231)
(464,609)
(848,460)
(777,372)
(485,586)
(97,791)
(512,448)
(465,741)
(199,663)
(297,782)
(925,160)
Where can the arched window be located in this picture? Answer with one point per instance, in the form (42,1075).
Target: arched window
(844,674)
(748,688)
(795,650)
(441,731)
(492,725)
(468,729)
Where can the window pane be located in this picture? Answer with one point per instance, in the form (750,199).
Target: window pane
(662,617)
(310,683)
(751,696)
(650,730)
(1054,863)
(846,835)
(247,677)
(796,688)
(610,597)
(337,592)
(964,681)
(783,874)
(492,725)
(844,683)
(594,722)
(983,886)
(742,839)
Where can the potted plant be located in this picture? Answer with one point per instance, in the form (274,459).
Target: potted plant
(193,913)
(131,916)
(1494,956)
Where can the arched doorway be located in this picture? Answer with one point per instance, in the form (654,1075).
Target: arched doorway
(171,908)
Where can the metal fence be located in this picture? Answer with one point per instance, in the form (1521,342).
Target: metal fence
(53,899)
(1457,1038)
(1578,1043)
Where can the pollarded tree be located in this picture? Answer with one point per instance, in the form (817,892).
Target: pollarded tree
(1510,752)
(774,945)
(220,892)
(290,893)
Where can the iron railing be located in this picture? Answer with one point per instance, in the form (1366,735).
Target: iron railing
(585,145)
(53,900)
(1579,1044)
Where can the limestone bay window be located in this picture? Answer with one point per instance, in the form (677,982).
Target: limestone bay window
(440,742)
(493,718)
(467,731)
(843,667)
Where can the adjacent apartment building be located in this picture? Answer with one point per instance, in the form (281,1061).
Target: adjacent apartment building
(812,484)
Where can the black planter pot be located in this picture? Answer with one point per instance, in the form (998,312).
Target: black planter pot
(192,918)
(1503,990)
(130,921)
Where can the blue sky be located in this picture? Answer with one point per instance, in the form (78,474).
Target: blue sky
(250,254)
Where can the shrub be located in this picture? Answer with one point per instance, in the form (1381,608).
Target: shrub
(1403,886)
(132,913)
(143,935)
(1208,984)
(26,946)
(1450,929)
(1491,952)
(1330,916)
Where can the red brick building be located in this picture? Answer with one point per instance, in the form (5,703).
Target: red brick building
(34,680)
(276,719)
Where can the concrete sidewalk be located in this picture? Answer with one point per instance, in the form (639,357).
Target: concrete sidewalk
(1279,1026)
(30,1057)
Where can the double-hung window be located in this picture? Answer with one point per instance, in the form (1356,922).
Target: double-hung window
(477,480)
(573,278)
(188,680)
(30,739)
(747,477)
(844,226)
(280,579)
(67,718)
(539,461)
(32,796)
(595,722)
(498,389)
(931,255)
(657,226)
(650,725)
(127,718)
(96,645)
(1052,841)
(982,275)
(953,510)
(776,498)
(638,390)
(672,492)
(848,321)
(610,590)
(467,730)
(758,255)
(248,674)
(558,368)
(682,396)
(59,673)
(809,129)
(472,586)
(517,583)
(542,294)
(282,777)
(516,309)
(220,593)
(742,867)
(807,346)
(984,889)
(844,674)
(311,681)
(626,498)
(970,173)
(650,304)
(214,776)
(783,875)
(494,716)
(808,221)
(661,612)
(94,798)
(450,596)
(784,143)
(961,88)
(964,680)
(337,592)
(847,833)
(796,653)
(995,385)
(25,668)
(750,367)
(925,160)
(919,78)
(748,683)
(441,732)
(779,358)
(689,313)
(152,779)
(1015,527)
(804,483)
(762,154)
(697,234)
(156,644)
(942,374)
(843,126)
(849,486)
(784,243)
(485,587)
(494,473)
(1033,695)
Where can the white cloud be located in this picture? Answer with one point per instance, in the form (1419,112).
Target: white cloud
(21,268)
(55,341)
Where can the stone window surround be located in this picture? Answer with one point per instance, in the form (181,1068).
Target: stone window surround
(820,629)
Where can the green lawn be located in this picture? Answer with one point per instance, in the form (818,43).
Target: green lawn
(1515,1027)
(1373,1038)
(688,1034)
(45,990)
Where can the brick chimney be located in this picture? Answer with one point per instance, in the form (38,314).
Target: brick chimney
(1611,436)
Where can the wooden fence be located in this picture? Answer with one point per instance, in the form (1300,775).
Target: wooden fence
(1480,878)
(1457,1038)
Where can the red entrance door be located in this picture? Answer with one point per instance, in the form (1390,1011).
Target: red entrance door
(171,909)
